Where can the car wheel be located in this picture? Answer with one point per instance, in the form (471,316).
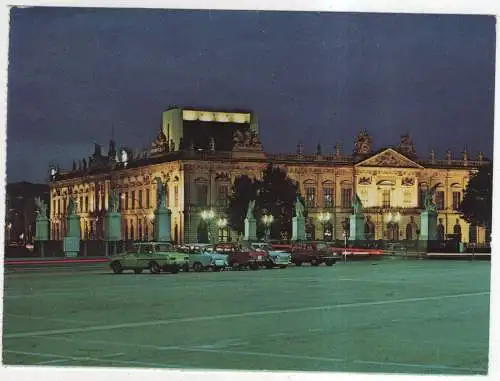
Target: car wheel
(174,270)
(154,268)
(236,266)
(314,262)
(137,271)
(117,267)
(329,263)
(254,266)
(197,267)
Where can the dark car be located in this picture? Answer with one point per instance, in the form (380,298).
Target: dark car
(239,258)
(312,252)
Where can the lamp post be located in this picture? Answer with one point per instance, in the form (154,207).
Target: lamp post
(324,218)
(221,224)
(9,229)
(345,226)
(208,216)
(267,219)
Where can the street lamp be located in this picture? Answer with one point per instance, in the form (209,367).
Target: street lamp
(324,218)
(208,216)
(267,219)
(221,224)
(9,229)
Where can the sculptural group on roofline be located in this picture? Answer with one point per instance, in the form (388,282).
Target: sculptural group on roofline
(247,139)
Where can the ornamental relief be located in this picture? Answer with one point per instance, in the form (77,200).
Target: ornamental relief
(408,181)
(389,158)
(365,180)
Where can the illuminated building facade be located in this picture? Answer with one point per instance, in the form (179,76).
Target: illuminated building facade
(199,153)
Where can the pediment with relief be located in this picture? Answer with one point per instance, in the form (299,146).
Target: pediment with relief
(389,158)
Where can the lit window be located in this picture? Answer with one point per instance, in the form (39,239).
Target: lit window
(310,197)
(328,197)
(346,198)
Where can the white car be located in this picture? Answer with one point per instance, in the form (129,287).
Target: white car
(280,258)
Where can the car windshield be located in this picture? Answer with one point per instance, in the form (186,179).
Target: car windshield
(321,246)
(163,247)
(143,249)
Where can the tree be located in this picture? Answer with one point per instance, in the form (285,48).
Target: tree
(476,207)
(244,189)
(275,194)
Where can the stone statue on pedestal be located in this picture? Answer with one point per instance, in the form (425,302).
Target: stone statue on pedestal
(298,222)
(250,210)
(41,207)
(161,193)
(429,205)
(114,201)
(299,208)
(71,206)
(356,205)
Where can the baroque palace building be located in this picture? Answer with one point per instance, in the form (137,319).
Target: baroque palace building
(199,153)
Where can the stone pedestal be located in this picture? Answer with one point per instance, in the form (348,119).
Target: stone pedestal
(250,229)
(356,227)
(113,226)
(42,229)
(71,246)
(428,226)
(162,225)
(298,229)
(71,243)
(42,233)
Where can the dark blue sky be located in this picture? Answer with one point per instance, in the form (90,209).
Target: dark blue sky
(75,73)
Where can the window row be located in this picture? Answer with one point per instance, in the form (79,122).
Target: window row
(201,196)
(439,199)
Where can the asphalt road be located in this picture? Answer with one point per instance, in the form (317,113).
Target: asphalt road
(370,316)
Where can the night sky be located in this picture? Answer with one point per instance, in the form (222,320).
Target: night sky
(74,74)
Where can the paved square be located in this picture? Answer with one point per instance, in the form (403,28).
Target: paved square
(402,316)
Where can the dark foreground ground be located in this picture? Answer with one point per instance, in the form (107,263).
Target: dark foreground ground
(395,315)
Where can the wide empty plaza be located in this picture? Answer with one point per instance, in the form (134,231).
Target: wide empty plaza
(390,315)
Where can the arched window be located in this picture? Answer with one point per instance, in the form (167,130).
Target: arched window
(440,232)
(310,231)
(132,230)
(393,231)
(473,233)
(409,232)
(328,231)
(223,234)
(202,232)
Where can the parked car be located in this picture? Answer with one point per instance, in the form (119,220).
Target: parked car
(202,257)
(155,256)
(276,258)
(239,257)
(314,253)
